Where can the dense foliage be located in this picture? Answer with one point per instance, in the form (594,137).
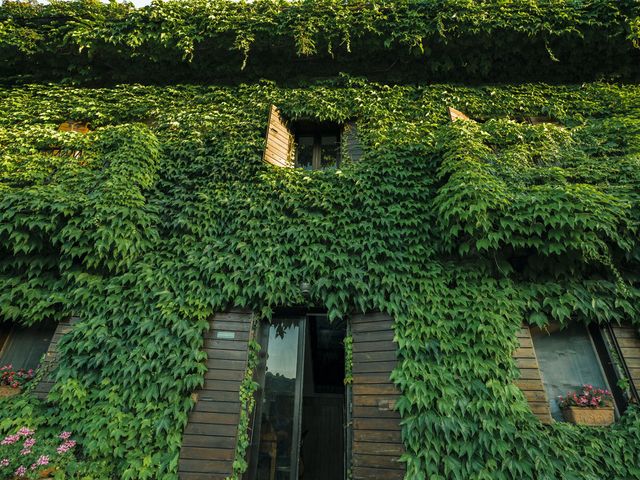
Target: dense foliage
(461,230)
(408,40)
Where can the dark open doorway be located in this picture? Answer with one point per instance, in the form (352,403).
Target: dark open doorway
(298,430)
(323,412)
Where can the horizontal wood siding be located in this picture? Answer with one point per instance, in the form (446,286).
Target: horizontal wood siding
(51,358)
(629,342)
(209,441)
(530,381)
(279,145)
(377,440)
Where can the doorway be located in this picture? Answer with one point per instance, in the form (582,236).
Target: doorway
(299,423)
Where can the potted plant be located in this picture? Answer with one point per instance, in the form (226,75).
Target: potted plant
(12,381)
(25,456)
(588,406)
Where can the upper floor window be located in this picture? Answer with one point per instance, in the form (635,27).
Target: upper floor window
(310,145)
(317,146)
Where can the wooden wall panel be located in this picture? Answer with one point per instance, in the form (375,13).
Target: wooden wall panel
(279,146)
(51,359)
(377,440)
(209,440)
(530,381)
(629,341)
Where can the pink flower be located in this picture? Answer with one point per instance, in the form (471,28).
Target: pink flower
(66,446)
(10,439)
(4,462)
(26,451)
(20,471)
(64,435)
(29,442)
(25,432)
(43,460)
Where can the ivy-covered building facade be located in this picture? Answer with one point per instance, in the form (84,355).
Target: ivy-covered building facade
(320,240)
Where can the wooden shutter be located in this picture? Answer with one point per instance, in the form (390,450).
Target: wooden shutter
(279,147)
(456,115)
(70,126)
(530,381)
(51,358)
(628,340)
(352,147)
(209,441)
(377,441)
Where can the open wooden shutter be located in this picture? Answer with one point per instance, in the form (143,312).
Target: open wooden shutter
(377,441)
(209,441)
(456,115)
(351,143)
(279,148)
(530,381)
(70,126)
(628,341)
(51,359)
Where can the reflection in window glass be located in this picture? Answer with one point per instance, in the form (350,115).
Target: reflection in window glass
(26,346)
(329,150)
(567,360)
(304,158)
(278,403)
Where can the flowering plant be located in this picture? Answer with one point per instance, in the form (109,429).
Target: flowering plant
(24,456)
(589,396)
(15,378)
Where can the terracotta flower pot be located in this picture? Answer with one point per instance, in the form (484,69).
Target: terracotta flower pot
(597,417)
(46,473)
(9,391)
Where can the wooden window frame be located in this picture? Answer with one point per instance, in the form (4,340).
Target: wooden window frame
(316,159)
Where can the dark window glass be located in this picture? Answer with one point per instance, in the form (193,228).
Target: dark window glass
(567,360)
(329,150)
(25,346)
(318,150)
(305,152)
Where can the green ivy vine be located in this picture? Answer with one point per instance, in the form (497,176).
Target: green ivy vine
(462,231)
(248,388)
(91,41)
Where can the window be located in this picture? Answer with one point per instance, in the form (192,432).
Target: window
(317,145)
(23,347)
(571,357)
(308,144)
